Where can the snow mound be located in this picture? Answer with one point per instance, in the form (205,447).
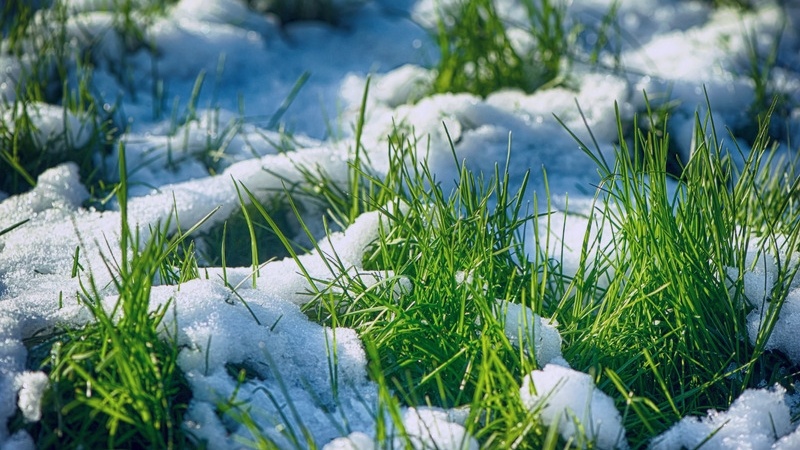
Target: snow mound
(525,328)
(759,279)
(567,397)
(288,359)
(754,421)
(430,428)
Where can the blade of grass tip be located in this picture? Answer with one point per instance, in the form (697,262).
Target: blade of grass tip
(122,199)
(711,119)
(244,302)
(250,228)
(355,178)
(599,162)
(175,241)
(589,129)
(281,236)
(15,226)
(192,107)
(76,265)
(459,164)
(222,253)
(287,102)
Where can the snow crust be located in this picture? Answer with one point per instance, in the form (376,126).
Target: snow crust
(31,387)
(758,419)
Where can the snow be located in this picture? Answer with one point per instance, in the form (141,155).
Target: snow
(189,159)
(759,280)
(569,399)
(31,387)
(754,421)
(425,428)
(523,327)
(218,330)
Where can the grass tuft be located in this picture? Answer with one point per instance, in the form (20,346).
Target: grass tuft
(668,328)
(114,382)
(478,54)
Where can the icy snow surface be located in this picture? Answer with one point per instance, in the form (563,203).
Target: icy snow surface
(672,49)
(754,421)
(570,399)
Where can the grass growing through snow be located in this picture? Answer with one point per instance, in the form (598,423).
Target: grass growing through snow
(666,335)
(57,54)
(433,319)
(669,331)
(478,54)
(654,336)
(115,382)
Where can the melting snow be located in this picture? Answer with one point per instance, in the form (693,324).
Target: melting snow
(677,48)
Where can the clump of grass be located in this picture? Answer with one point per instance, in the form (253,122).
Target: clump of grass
(668,328)
(25,152)
(431,322)
(115,383)
(477,54)
(667,336)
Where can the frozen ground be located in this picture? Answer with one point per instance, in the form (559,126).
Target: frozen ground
(671,49)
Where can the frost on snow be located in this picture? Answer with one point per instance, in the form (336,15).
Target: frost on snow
(758,419)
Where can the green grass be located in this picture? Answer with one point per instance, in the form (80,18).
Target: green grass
(477,55)
(62,75)
(114,382)
(432,321)
(668,328)
(665,336)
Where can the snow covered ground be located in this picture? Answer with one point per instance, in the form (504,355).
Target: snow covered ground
(670,49)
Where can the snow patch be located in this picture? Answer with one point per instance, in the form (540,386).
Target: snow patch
(31,386)
(754,421)
(525,328)
(567,398)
